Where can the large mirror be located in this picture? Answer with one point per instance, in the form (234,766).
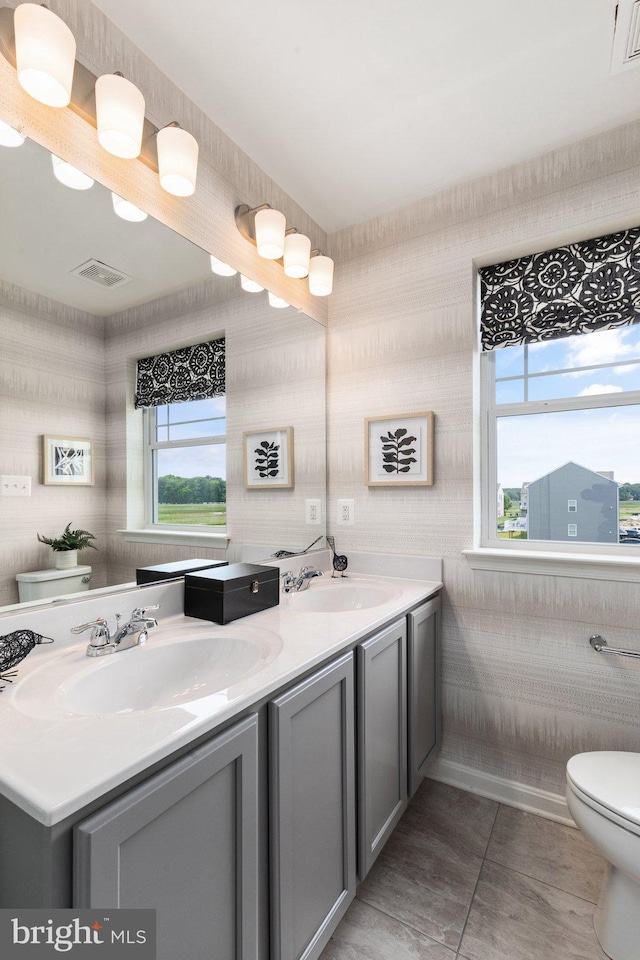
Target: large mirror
(69,342)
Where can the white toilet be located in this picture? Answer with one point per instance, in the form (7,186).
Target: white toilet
(603,795)
(41,584)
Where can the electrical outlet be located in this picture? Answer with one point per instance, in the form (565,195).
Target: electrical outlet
(15,486)
(313,511)
(346,512)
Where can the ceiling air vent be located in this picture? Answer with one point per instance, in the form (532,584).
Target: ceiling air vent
(626,38)
(100,274)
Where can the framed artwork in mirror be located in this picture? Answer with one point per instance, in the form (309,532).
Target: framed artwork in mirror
(268,458)
(399,450)
(67,460)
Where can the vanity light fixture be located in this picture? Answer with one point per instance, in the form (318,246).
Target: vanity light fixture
(177,160)
(250,286)
(119,115)
(297,251)
(320,275)
(9,136)
(42,49)
(127,210)
(277,301)
(45,51)
(267,230)
(69,175)
(222,269)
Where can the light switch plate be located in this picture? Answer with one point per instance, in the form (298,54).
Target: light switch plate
(15,486)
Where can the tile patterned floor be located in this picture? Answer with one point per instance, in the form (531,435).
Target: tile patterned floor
(464,878)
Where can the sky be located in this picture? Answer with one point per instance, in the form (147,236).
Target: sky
(600,439)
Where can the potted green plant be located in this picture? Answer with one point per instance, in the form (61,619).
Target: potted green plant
(66,546)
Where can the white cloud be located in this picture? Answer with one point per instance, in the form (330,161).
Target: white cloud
(599,388)
(600,439)
(607,346)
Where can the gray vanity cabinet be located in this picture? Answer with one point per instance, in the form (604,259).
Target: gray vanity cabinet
(312,791)
(184,842)
(422,689)
(382,739)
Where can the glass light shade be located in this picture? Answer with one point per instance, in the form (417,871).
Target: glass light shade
(321,276)
(250,286)
(270,226)
(69,175)
(45,54)
(127,210)
(120,116)
(276,301)
(222,269)
(10,137)
(177,161)
(297,249)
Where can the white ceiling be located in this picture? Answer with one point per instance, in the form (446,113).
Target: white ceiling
(358,107)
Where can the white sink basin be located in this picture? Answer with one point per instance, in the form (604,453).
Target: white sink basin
(337,595)
(155,676)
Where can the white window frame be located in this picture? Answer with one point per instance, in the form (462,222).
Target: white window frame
(490,413)
(572,506)
(151,444)
(572,529)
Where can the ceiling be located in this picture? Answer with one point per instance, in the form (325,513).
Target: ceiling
(358,107)
(54,229)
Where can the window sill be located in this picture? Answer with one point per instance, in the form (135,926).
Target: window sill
(585,566)
(186,538)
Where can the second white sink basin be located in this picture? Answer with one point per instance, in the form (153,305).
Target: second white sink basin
(338,595)
(158,675)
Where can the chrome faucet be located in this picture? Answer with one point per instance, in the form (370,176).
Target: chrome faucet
(294,584)
(126,635)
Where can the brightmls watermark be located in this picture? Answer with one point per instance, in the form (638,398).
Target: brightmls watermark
(78,934)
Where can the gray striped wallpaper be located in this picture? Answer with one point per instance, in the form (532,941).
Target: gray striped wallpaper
(523,691)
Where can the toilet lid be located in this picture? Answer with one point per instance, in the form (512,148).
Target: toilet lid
(610,778)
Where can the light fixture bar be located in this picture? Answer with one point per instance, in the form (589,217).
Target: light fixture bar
(83,100)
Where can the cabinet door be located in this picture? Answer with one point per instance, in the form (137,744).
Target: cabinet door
(184,843)
(382,740)
(423,668)
(313,852)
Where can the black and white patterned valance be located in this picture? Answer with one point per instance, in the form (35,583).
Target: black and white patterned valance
(580,288)
(192,373)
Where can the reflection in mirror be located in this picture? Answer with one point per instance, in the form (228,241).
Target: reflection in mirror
(84,295)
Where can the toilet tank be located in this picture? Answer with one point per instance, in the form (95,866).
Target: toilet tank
(40,584)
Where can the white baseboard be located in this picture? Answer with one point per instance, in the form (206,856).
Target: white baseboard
(553,806)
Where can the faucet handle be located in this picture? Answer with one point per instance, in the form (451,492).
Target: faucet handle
(140,613)
(100,624)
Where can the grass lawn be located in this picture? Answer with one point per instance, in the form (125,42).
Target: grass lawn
(209,514)
(628,508)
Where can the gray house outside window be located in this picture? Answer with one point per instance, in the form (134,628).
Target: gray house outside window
(596,512)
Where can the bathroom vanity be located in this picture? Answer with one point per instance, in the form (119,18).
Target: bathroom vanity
(245,815)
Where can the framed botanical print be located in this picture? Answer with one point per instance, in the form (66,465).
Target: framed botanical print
(67,461)
(399,450)
(268,458)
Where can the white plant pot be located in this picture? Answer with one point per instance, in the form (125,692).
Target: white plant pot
(65,559)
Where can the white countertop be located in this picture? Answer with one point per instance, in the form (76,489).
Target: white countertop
(54,763)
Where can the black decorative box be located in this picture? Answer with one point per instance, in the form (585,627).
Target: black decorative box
(231,592)
(169,571)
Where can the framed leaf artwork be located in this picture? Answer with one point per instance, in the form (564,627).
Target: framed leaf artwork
(67,461)
(399,450)
(268,458)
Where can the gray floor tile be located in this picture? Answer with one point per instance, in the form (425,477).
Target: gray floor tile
(546,851)
(367,934)
(462,820)
(516,918)
(420,879)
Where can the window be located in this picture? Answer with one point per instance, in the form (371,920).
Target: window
(185,464)
(561,420)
